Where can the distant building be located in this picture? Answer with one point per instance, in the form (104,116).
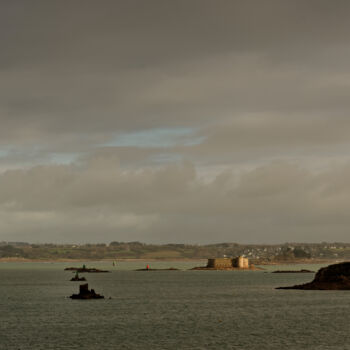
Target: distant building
(224,263)
(240,262)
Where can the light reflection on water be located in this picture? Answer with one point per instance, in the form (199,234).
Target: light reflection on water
(168,309)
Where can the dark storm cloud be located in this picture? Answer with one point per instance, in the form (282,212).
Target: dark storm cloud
(88,66)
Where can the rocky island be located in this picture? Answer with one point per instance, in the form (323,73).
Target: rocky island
(84,269)
(228,264)
(77,277)
(332,277)
(85,293)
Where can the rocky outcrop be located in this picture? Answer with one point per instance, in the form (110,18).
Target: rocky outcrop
(84,269)
(85,293)
(77,278)
(332,277)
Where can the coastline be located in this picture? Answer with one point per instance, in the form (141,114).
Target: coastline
(66,260)
(16,260)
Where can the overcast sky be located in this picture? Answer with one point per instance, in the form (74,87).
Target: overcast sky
(187,121)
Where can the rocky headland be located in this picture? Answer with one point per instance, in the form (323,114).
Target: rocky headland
(332,277)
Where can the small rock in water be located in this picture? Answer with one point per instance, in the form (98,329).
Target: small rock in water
(85,293)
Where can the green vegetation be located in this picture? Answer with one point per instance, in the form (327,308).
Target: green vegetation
(288,252)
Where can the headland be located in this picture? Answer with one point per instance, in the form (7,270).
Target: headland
(332,277)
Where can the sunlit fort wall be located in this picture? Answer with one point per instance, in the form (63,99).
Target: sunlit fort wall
(238,262)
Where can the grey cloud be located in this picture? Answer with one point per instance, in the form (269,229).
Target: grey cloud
(254,80)
(87,68)
(273,203)
(261,131)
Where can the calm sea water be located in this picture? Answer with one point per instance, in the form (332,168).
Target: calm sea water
(167,310)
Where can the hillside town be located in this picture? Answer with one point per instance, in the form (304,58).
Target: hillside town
(257,253)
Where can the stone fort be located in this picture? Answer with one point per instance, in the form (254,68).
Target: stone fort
(225,263)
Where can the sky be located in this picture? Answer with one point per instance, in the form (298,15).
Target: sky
(187,121)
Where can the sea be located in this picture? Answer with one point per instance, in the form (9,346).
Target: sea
(180,309)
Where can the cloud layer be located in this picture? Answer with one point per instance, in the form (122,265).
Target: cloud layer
(99,201)
(186,121)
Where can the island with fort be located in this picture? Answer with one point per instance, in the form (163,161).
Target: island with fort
(229,264)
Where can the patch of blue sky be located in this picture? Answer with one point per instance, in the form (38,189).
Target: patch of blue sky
(156,138)
(63,158)
(35,156)
(4,153)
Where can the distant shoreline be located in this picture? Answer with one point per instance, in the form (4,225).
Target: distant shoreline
(24,260)
(7,260)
